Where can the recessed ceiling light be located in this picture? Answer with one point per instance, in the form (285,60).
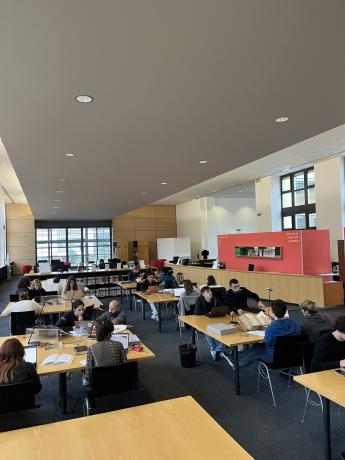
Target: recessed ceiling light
(55,207)
(84,98)
(59,191)
(69,155)
(164,183)
(144,193)
(57,201)
(61,179)
(203,162)
(130,201)
(281,119)
(240,191)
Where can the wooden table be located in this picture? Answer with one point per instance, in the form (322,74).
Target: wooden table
(331,386)
(200,323)
(66,345)
(63,307)
(157,299)
(177,429)
(127,286)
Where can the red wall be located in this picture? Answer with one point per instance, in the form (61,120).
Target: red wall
(299,253)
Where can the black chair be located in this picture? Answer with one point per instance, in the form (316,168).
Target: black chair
(219,293)
(107,381)
(14,297)
(52,293)
(22,320)
(308,352)
(251,267)
(287,355)
(17,396)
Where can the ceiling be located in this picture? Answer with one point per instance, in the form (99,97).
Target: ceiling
(10,188)
(174,83)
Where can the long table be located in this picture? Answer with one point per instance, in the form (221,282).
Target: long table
(66,345)
(200,323)
(175,429)
(129,286)
(331,386)
(62,307)
(157,299)
(292,288)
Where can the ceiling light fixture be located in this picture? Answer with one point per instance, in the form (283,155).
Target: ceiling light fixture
(164,183)
(144,193)
(55,207)
(61,179)
(59,191)
(281,119)
(203,162)
(57,201)
(69,155)
(84,98)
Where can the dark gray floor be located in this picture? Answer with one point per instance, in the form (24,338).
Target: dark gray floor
(265,431)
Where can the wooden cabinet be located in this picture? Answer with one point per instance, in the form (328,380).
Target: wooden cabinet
(132,250)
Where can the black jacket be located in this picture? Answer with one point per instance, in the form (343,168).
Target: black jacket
(202,307)
(67,320)
(146,284)
(328,353)
(238,300)
(37,293)
(26,372)
(312,325)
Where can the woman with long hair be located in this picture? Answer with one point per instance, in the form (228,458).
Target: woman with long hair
(13,368)
(23,285)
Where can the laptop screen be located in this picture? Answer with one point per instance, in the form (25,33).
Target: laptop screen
(30,354)
(122,338)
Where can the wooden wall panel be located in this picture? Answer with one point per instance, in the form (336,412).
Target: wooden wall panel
(166,224)
(147,212)
(147,235)
(20,226)
(166,233)
(165,212)
(145,224)
(123,225)
(128,235)
(18,212)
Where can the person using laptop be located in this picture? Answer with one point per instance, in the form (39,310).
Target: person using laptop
(36,290)
(134,274)
(150,281)
(105,352)
(204,303)
(77,313)
(237,298)
(114,314)
(71,289)
(13,368)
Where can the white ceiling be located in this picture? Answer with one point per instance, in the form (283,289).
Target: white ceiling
(174,82)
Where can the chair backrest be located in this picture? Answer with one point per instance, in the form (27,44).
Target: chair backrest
(14,297)
(113,379)
(288,351)
(21,320)
(17,396)
(219,292)
(251,267)
(308,352)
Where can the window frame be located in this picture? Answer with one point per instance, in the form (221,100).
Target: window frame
(306,209)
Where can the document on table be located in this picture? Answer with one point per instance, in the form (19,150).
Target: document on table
(259,333)
(57,359)
(83,362)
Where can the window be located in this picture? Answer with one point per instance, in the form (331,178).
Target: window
(76,243)
(298,200)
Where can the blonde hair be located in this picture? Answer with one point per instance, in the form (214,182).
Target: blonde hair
(309,306)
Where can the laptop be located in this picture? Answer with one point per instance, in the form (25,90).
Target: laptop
(73,295)
(152,289)
(30,355)
(84,327)
(122,338)
(218,311)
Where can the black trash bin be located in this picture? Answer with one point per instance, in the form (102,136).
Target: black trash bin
(187,355)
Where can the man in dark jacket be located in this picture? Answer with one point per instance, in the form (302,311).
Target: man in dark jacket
(203,306)
(114,313)
(236,298)
(330,348)
(280,327)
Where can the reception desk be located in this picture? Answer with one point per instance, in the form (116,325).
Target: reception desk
(291,288)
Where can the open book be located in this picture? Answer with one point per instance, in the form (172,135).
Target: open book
(252,322)
(57,359)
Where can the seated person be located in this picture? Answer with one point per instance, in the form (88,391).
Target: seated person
(236,298)
(134,274)
(105,352)
(187,298)
(329,350)
(71,285)
(150,281)
(211,281)
(13,368)
(313,322)
(54,284)
(114,314)
(101,264)
(203,306)
(23,285)
(168,279)
(77,313)
(280,327)
(24,304)
(179,279)
(36,290)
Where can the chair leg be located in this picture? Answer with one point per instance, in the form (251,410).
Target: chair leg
(306,403)
(264,372)
(198,345)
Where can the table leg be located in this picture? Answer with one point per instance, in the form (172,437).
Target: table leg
(159,317)
(326,429)
(193,336)
(63,392)
(131,299)
(143,303)
(237,372)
